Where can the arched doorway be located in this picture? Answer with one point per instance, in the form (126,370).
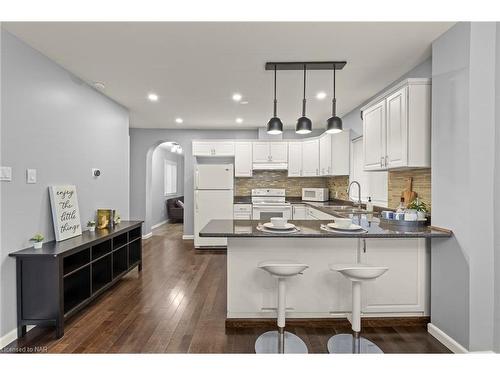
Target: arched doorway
(164,181)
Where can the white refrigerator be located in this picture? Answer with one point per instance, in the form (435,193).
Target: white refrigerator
(213,199)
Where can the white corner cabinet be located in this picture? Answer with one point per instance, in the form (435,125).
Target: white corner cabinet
(397,127)
(326,155)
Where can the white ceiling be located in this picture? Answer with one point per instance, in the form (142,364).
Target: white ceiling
(196,67)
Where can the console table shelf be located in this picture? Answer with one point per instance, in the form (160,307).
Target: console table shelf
(61,278)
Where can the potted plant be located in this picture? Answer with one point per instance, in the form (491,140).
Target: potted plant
(420,207)
(91,225)
(37,240)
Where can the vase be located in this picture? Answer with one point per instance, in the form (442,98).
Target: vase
(37,245)
(91,229)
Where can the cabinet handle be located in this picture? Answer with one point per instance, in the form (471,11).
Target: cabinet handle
(381,162)
(317,171)
(386,157)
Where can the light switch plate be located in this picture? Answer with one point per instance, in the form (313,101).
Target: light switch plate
(31,176)
(5,174)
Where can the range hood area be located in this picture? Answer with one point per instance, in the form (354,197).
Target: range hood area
(270,166)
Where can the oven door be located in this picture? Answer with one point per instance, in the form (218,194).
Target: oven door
(266,212)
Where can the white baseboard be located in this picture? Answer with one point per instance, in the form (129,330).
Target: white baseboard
(11,336)
(446,340)
(188,236)
(146,236)
(159,224)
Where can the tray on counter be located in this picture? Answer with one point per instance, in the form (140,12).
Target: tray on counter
(404,224)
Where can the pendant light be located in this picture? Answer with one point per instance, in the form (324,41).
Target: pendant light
(275,126)
(334,123)
(304,125)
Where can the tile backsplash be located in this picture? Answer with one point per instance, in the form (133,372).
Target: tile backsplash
(421,185)
(278,180)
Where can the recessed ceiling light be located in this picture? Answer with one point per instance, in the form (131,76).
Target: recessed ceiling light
(179,120)
(239,120)
(99,85)
(321,95)
(244,102)
(152,97)
(237,97)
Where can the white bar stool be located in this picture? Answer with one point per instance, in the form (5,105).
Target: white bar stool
(346,343)
(281,341)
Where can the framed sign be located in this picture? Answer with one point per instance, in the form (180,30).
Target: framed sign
(65,212)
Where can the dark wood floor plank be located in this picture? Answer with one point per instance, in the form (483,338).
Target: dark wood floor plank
(178,305)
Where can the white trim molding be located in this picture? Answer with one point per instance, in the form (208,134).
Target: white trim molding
(11,336)
(188,236)
(159,224)
(146,236)
(446,340)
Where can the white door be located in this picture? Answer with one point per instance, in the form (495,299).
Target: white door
(325,155)
(397,129)
(294,159)
(261,152)
(278,152)
(310,158)
(223,148)
(243,159)
(403,287)
(340,153)
(211,205)
(374,136)
(213,176)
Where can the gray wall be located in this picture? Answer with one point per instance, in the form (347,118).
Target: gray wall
(463,161)
(53,122)
(159,209)
(353,121)
(496,343)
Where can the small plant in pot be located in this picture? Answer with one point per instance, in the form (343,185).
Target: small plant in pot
(37,240)
(91,225)
(420,207)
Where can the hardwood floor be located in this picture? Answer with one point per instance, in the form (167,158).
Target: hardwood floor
(178,305)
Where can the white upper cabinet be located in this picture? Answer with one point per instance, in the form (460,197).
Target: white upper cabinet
(340,154)
(310,158)
(270,152)
(295,159)
(397,127)
(213,148)
(325,154)
(243,159)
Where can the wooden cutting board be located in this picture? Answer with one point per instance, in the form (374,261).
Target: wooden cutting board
(408,194)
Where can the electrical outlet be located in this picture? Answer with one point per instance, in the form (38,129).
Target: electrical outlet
(5,174)
(31,176)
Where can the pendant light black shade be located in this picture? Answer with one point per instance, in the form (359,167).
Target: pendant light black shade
(304,125)
(334,123)
(275,126)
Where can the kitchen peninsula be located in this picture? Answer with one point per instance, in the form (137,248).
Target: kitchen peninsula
(403,291)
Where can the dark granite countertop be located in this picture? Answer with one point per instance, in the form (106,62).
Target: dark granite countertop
(312,229)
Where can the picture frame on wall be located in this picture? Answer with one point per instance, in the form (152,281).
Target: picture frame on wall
(65,211)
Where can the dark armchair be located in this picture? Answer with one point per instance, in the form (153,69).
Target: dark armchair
(175,209)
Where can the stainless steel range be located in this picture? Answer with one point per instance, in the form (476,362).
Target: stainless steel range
(268,203)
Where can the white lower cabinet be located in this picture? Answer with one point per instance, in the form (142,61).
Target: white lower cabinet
(404,288)
(314,214)
(299,212)
(242,211)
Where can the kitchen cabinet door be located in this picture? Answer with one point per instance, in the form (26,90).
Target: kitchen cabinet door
(397,130)
(243,159)
(294,159)
(202,149)
(299,212)
(278,152)
(404,287)
(374,142)
(261,152)
(340,153)
(325,155)
(223,148)
(213,148)
(310,158)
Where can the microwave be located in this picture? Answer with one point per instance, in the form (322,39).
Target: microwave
(315,194)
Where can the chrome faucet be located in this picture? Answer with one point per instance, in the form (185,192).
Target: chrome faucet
(359,192)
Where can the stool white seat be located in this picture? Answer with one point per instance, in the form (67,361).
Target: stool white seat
(346,343)
(280,341)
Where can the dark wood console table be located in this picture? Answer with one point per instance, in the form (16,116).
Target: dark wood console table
(61,278)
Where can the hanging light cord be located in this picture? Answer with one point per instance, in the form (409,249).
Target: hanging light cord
(304,100)
(334,100)
(275,101)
